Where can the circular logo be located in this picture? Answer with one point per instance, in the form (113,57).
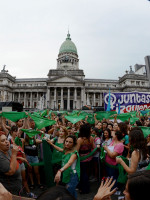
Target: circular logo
(112,98)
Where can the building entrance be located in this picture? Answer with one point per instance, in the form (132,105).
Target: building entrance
(71,104)
(65,104)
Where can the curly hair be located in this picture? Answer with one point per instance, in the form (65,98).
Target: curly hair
(137,140)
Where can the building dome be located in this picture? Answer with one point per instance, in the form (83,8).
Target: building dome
(68,46)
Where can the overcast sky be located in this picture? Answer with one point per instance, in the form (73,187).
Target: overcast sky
(110,35)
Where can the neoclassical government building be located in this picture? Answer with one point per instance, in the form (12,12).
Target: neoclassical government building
(66,86)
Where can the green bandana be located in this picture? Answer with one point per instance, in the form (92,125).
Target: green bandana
(14,116)
(31,132)
(42,122)
(74,119)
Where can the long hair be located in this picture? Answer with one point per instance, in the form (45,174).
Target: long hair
(85,131)
(137,140)
(123,128)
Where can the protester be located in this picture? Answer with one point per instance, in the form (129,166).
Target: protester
(57,155)
(31,151)
(107,138)
(85,144)
(70,169)
(140,151)
(10,172)
(115,149)
(95,159)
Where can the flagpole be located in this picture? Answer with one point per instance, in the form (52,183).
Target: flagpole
(108,105)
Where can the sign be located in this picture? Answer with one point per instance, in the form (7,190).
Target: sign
(129,101)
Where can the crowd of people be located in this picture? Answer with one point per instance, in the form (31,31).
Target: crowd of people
(81,153)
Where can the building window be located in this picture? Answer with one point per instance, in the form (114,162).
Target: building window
(34,104)
(96,96)
(143,83)
(137,82)
(78,94)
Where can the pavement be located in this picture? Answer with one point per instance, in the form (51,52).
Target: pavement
(93,190)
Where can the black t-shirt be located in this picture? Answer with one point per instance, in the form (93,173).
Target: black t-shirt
(31,149)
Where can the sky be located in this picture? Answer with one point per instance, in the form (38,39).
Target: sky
(110,35)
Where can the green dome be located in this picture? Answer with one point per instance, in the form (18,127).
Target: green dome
(68,46)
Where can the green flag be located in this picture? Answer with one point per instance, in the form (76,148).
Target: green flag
(30,132)
(133,113)
(42,122)
(105,114)
(124,116)
(133,120)
(43,113)
(146,130)
(75,118)
(14,116)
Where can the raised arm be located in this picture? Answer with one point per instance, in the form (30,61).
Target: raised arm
(56,147)
(13,162)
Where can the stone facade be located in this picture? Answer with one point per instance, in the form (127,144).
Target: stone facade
(66,86)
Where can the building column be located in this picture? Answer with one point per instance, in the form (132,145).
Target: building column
(68,100)
(31,100)
(13,97)
(49,105)
(47,98)
(24,99)
(87,98)
(54,98)
(75,98)
(62,103)
(100,99)
(94,99)
(82,98)
(19,97)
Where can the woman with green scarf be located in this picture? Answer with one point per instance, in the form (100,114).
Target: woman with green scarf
(69,173)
